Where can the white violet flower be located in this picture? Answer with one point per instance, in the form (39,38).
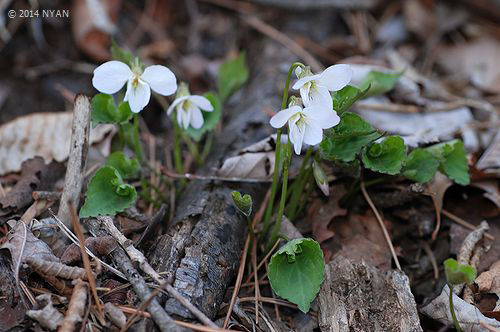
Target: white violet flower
(305,124)
(189,108)
(315,89)
(111,76)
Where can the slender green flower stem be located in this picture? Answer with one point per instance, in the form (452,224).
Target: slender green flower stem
(277,225)
(179,166)
(276,175)
(139,153)
(121,137)
(310,188)
(207,146)
(299,186)
(452,310)
(193,148)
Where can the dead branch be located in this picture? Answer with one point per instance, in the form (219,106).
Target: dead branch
(76,307)
(116,316)
(162,319)
(138,257)
(77,161)
(56,269)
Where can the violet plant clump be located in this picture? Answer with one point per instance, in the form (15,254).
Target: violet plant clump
(193,116)
(320,119)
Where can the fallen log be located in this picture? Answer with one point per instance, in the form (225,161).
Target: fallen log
(200,251)
(356,296)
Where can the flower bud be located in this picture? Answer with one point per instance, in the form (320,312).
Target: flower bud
(320,177)
(303,72)
(182,90)
(294,101)
(243,203)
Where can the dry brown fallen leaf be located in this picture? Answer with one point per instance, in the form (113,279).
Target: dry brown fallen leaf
(462,62)
(48,316)
(361,239)
(92,23)
(253,162)
(490,160)
(100,246)
(40,134)
(322,214)
(468,315)
(21,240)
(489,282)
(491,190)
(35,175)
(437,188)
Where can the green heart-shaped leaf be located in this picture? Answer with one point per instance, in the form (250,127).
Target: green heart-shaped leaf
(107,194)
(344,141)
(420,166)
(296,272)
(127,167)
(385,157)
(243,203)
(104,110)
(232,75)
(346,97)
(453,160)
(378,83)
(457,274)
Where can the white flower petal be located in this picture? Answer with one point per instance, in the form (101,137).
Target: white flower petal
(160,79)
(202,103)
(297,136)
(336,77)
(320,98)
(111,76)
(280,118)
(304,94)
(313,134)
(196,117)
(325,118)
(301,81)
(138,97)
(175,103)
(186,118)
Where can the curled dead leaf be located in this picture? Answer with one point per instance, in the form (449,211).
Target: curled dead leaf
(467,314)
(40,134)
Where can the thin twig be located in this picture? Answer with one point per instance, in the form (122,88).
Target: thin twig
(241,269)
(161,318)
(195,327)
(269,300)
(19,261)
(190,176)
(381,223)
(263,261)
(464,223)
(432,259)
(256,279)
(86,262)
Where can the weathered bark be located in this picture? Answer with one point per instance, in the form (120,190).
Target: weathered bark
(201,250)
(360,297)
(12,309)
